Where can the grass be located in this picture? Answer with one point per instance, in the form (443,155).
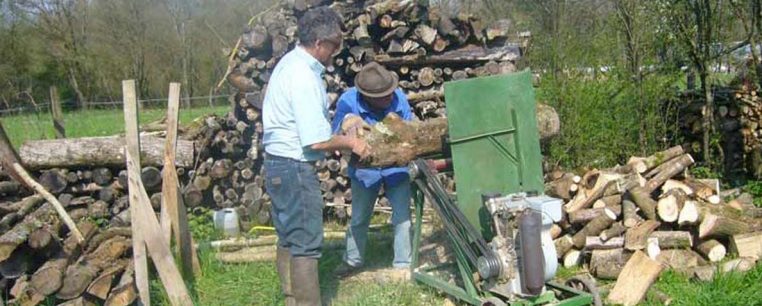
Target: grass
(724,289)
(258,283)
(90,123)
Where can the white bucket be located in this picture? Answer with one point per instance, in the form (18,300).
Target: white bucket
(226,220)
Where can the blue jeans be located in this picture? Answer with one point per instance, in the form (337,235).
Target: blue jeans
(297,205)
(363,200)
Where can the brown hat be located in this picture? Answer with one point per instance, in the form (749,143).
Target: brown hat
(375,81)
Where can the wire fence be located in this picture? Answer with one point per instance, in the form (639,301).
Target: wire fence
(213,101)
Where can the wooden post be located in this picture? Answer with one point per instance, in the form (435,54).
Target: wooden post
(173,209)
(145,227)
(132,141)
(55,110)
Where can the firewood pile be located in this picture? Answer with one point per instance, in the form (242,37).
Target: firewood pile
(421,45)
(648,215)
(39,261)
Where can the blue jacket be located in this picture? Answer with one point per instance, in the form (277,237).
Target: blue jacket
(351,103)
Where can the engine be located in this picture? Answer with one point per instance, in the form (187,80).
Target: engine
(523,255)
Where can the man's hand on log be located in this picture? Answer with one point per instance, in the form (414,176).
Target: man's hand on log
(353,125)
(361,148)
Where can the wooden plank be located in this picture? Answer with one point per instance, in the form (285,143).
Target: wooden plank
(173,208)
(55,110)
(144,222)
(636,277)
(132,142)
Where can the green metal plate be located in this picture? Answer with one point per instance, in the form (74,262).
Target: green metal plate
(494,140)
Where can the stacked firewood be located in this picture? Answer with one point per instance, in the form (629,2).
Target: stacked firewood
(38,261)
(421,45)
(651,206)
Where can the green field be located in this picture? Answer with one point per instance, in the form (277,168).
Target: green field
(89,123)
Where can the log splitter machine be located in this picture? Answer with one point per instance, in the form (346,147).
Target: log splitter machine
(498,222)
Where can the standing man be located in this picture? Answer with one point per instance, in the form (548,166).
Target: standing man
(296,134)
(374,96)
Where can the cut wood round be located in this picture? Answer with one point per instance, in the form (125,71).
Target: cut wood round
(607,264)
(54,181)
(572,259)
(102,176)
(151,177)
(426,76)
(192,196)
(221,168)
(669,205)
(652,248)
(712,250)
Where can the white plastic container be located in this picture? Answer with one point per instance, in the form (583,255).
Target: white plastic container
(226,220)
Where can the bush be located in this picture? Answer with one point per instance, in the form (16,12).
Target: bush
(604,121)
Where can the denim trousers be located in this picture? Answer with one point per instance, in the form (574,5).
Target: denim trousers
(363,200)
(297,205)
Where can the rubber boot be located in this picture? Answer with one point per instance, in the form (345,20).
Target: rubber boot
(283,262)
(304,277)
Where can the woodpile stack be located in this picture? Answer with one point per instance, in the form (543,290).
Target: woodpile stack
(39,260)
(648,215)
(421,45)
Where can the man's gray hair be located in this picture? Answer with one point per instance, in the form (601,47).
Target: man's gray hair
(319,23)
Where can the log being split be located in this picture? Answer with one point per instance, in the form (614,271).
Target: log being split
(397,142)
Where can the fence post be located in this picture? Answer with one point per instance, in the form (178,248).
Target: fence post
(55,108)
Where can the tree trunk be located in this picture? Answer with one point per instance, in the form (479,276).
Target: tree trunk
(98,151)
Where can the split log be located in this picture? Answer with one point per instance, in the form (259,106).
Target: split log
(742,264)
(712,250)
(747,245)
(49,278)
(719,226)
(594,227)
(17,235)
(98,152)
(125,292)
(636,238)
(23,208)
(101,285)
(703,191)
(607,264)
(673,239)
(80,275)
(638,274)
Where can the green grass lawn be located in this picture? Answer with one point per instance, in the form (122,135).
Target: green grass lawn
(90,123)
(257,283)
